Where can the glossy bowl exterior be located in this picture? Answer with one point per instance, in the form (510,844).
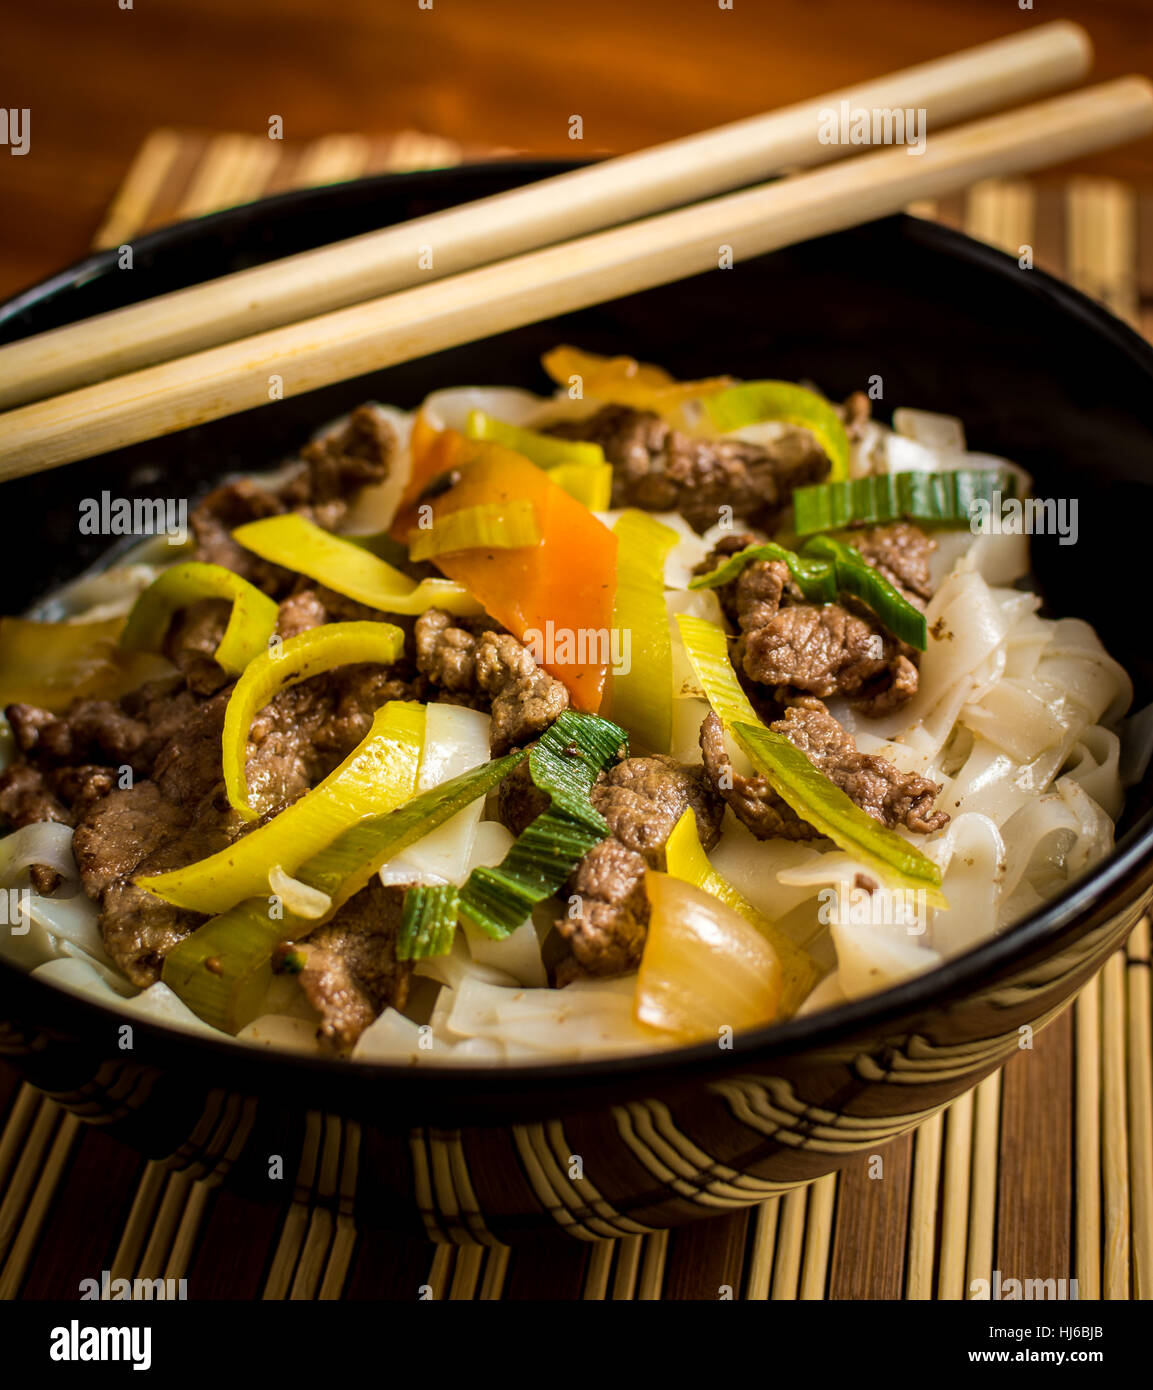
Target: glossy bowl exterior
(1037,373)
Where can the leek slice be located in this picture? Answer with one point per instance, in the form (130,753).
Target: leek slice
(250,624)
(308,654)
(857,577)
(642,696)
(831,811)
(942,499)
(348,568)
(812,795)
(489,526)
(222,970)
(580,468)
(429,922)
(545,450)
(754,401)
(686,859)
(569,757)
(816,579)
(378,775)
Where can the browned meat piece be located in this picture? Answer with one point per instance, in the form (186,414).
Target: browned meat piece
(901,553)
(81,786)
(214,519)
(300,612)
(518,801)
(191,643)
(752,798)
(181,813)
(660,468)
(856,412)
(338,465)
(893,797)
(350,971)
(641,799)
(607,932)
(491,670)
(877,786)
(26,797)
(816,649)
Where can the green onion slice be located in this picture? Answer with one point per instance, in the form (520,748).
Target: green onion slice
(565,763)
(429,922)
(754,401)
(942,499)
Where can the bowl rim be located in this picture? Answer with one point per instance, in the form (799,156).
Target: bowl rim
(1118,878)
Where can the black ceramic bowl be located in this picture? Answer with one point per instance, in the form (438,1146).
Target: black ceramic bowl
(1037,372)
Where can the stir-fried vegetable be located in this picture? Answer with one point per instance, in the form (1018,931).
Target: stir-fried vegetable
(564,764)
(941,499)
(298,544)
(793,777)
(816,579)
(705,971)
(429,922)
(642,695)
(222,970)
(754,401)
(826,569)
(52,664)
(545,450)
(433,452)
(557,596)
(625,381)
(310,653)
(828,809)
(857,577)
(379,774)
(686,859)
(489,526)
(250,625)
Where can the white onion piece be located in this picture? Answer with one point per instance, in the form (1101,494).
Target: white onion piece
(944,433)
(456,740)
(299,898)
(44,842)
(450,408)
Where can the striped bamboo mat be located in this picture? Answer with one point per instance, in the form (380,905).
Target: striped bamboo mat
(1044,1171)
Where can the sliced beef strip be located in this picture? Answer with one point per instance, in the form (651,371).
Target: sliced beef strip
(489,670)
(877,786)
(181,813)
(659,468)
(350,971)
(191,642)
(641,799)
(214,519)
(340,463)
(793,646)
(901,552)
(333,469)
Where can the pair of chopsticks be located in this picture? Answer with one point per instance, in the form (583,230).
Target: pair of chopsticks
(581,238)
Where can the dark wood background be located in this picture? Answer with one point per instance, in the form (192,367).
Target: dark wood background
(506,73)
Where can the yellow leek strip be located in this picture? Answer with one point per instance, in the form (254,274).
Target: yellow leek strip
(686,859)
(299,544)
(797,780)
(51,665)
(377,776)
(708,651)
(310,653)
(589,483)
(642,695)
(250,625)
(488,526)
(572,464)
(754,401)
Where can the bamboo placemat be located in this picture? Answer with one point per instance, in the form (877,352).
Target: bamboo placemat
(1044,1171)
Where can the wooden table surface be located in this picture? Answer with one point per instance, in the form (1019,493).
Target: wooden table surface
(506,73)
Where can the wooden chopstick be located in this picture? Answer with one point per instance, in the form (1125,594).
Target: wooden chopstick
(978,80)
(526,289)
